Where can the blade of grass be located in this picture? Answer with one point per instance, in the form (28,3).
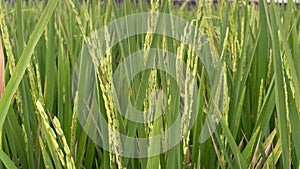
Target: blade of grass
(2,72)
(197,126)
(280,88)
(15,139)
(24,60)
(50,76)
(6,160)
(27,106)
(294,122)
(238,156)
(153,162)
(249,149)
(273,157)
(267,108)
(289,57)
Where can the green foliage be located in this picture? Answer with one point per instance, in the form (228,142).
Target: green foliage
(259,48)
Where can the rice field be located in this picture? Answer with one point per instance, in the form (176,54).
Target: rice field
(149,84)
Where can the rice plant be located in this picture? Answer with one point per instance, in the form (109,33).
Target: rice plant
(226,74)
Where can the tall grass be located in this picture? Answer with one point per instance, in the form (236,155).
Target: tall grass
(259,48)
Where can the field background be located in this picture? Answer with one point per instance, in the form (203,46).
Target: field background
(259,46)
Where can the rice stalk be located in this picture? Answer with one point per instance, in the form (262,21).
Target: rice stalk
(2,72)
(10,56)
(104,73)
(2,76)
(50,137)
(74,128)
(7,44)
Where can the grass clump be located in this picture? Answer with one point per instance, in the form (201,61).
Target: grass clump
(258,46)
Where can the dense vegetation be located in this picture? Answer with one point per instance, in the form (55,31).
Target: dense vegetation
(259,49)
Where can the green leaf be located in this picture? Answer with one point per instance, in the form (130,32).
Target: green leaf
(280,88)
(6,160)
(16,78)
